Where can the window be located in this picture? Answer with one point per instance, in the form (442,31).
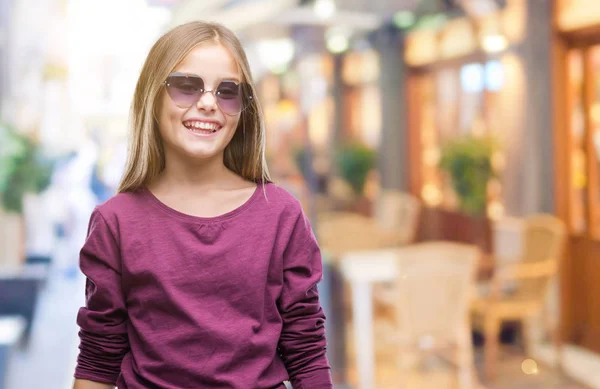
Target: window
(584,140)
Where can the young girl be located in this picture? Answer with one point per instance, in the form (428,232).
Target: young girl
(200,272)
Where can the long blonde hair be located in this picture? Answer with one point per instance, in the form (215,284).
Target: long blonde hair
(245,154)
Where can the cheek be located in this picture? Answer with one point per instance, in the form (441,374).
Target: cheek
(233,123)
(168,116)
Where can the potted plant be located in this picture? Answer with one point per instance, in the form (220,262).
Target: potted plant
(468,162)
(355,161)
(23,170)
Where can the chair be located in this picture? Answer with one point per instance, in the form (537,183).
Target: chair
(507,239)
(395,224)
(518,289)
(434,289)
(398,211)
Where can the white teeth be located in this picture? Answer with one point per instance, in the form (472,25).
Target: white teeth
(202,126)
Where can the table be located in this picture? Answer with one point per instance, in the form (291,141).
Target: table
(361,270)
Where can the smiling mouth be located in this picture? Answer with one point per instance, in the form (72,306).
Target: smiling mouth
(201,127)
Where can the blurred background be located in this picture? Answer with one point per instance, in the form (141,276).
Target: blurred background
(447,152)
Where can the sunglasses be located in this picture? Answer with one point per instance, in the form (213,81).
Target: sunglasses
(185,90)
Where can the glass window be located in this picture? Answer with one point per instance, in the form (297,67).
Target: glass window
(593,140)
(471,78)
(494,76)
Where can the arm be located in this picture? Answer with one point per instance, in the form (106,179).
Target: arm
(103,320)
(520,271)
(302,343)
(524,270)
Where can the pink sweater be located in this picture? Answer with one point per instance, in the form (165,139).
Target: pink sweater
(175,301)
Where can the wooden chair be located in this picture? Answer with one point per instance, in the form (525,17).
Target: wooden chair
(518,289)
(399,211)
(434,290)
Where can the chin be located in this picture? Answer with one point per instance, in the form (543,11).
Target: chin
(202,153)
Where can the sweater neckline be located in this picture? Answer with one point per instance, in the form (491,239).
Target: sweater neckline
(199,219)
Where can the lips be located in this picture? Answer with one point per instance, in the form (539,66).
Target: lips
(202,127)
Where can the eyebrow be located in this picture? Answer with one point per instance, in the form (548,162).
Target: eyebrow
(225,78)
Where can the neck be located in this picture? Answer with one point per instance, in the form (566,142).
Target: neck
(204,174)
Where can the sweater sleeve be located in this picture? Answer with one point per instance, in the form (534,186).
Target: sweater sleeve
(302,343)
(103,319)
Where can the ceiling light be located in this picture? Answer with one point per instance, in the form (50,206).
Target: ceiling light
(276,54)
(324,9)
(337,39)
(337,44)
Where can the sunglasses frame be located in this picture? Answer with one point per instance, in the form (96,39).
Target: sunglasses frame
(214,92)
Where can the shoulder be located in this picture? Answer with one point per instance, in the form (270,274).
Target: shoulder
(122,206)
(286,210)
(281,200)
(121,202)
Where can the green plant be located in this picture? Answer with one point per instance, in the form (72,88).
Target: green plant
(355,161)
(23,168)
(468,162)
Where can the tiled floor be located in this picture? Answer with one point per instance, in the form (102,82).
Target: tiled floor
(437,374)
(49,361)
(511,375)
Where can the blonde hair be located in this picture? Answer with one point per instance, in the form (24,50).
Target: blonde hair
(245,153)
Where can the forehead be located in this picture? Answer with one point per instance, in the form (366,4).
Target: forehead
(210,61)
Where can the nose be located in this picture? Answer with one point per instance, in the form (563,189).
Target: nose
(207,102)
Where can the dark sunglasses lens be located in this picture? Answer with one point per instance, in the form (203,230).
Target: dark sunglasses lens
(230,97)
(185,90)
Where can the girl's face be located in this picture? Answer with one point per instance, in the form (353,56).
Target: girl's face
(193,121)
